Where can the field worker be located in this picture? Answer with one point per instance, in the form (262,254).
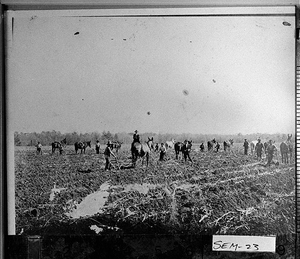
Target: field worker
(270,151)
(39,148)
(97,147)
(162,152)
(202,147)
(60,149)
(246,147)
(217,146)
(259,148)
(186,149)
(107,153)
(156,147)
(136,138)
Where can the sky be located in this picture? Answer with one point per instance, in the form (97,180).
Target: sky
(73,71)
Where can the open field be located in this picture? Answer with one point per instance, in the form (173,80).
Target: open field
(220,193)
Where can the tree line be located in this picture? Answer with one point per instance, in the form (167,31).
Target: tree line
(47,137)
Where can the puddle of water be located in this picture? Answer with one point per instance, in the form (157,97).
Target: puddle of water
(94,203)
(91,204)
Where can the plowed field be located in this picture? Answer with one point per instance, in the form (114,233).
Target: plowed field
(220,193)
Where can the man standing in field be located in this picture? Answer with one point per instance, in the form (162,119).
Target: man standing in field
(246,147)
(39,148)
(156,147)
(107,153)
(162,152)
(217,146)
(270,152)
(202,147)
(186,149)
(97,147)
(259,148)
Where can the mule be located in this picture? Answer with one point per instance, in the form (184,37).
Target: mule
(58,145)
(266,147)
(82,146)
(178,148)
(170,144)
(252,146)
(286,150)
(116,145)
(210,144)
(142,151)
(228,144)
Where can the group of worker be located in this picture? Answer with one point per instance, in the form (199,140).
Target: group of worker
(162,149)
(269,149)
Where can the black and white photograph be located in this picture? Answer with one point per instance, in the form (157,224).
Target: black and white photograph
(161,121)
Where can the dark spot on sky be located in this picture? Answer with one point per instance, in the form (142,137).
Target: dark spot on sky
(124,39)
(190,41)
(111,39)
(33,17)
(82,99)
(214,80)
(76,33)
(185,92)
(286,24)
(148,113)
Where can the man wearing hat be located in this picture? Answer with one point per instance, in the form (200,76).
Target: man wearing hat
(107,153)
(246,147)
(186,149)
(270,151)
(97,147)
(162,152)
(39,148)
(136,138)
(258,148)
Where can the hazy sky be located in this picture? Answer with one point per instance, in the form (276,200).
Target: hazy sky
(197,74)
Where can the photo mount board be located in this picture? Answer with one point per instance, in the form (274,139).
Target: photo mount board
(297,175)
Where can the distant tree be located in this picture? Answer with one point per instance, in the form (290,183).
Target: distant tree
(95,136)
(116,137)
(106,136)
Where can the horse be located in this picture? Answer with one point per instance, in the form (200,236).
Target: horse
(266,146)
(82,146)
(170,144)
(64,142)
(141,150)
(253,145)
(178,148)
(58,145)
(210,144)
(228,144)
(116,145)
(286,149)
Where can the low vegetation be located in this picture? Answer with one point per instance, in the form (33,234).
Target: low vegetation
(219,193)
